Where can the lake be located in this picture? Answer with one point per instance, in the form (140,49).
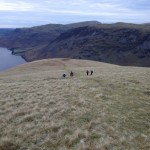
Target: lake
(7,60)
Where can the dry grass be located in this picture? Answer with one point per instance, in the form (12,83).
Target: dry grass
(107,111)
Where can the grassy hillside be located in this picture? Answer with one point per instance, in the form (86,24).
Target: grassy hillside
(107,111)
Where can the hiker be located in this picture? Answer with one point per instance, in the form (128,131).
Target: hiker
(71,74)
(87,72)
(91,72)
(64,75)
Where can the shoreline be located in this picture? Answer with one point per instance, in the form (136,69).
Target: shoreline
(9,60)
(12,52)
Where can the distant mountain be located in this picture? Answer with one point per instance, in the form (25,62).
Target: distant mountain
(83,24)
(5,33)
(119,43)
(35,38)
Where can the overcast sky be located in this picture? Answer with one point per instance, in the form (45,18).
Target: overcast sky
(25,13)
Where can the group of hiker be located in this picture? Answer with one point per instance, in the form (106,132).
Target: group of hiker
(87,72)
(72,74)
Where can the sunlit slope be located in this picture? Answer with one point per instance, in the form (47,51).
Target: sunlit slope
(56,65)
(41,110)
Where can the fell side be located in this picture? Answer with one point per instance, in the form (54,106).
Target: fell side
(41,110)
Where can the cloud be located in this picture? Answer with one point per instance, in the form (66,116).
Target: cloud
(32,12)
(15,6)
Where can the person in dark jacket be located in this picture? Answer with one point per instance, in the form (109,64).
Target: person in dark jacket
(87,72)
(71,74)
(91,72)
(64,75)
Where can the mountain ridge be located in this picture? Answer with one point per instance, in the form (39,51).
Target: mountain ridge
(118,43)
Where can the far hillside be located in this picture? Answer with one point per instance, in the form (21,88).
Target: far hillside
(119,43)
(5,31)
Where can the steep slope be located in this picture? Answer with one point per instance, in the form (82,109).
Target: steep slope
(119,44)
(35,38)
(25,39)
(5,33)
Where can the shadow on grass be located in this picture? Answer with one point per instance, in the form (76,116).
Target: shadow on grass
(9,146)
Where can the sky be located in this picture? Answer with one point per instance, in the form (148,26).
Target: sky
(27,13)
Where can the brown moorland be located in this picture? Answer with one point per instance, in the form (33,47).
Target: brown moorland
(40,110)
